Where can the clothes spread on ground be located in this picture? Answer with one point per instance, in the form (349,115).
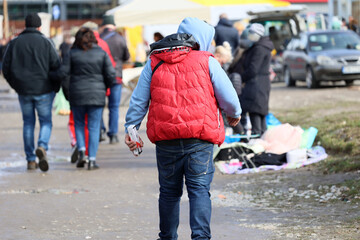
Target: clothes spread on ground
(272,162)
(280,139)
(282,146)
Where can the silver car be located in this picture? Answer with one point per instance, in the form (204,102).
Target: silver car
(322,56)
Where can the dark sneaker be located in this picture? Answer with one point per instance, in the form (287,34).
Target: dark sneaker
(32,165)
(102,135)
(114,139)
(92,165)
(74,154)
(41,154)
(81,160)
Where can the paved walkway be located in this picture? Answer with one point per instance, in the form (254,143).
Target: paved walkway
(118,201)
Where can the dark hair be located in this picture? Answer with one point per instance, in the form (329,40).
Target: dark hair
(158,36)
(32,20)
(84,39)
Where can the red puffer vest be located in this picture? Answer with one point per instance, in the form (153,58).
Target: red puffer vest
(183,103)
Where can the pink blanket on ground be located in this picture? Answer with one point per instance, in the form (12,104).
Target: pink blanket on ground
(280,139)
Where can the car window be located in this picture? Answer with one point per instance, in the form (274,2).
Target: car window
(280,33)
(333,40)
(277,27)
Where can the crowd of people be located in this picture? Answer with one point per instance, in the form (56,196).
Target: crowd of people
(191,88)
(90,68)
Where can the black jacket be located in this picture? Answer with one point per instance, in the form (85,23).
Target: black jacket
(225,31)
(28,60)
(254,68)
(86,75)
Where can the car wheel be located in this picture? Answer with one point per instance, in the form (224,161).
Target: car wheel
(289,81)
(310,79)
(349,82)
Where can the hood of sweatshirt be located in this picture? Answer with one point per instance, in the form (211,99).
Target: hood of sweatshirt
(193,34)
(200,30)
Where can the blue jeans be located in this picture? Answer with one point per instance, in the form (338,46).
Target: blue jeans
(43,105)
(195,163)
(114,104)
(94,118)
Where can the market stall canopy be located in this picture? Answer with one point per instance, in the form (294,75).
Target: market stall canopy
(275,3)
(145,12)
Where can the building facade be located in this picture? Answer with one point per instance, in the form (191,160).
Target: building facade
(60,9)
(339,8)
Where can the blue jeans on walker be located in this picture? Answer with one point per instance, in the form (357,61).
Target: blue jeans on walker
(114,104)
(43,105)
(94,118)
(194,162)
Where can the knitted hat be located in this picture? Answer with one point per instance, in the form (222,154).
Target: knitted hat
(108,19)
(32,20)
(257,28)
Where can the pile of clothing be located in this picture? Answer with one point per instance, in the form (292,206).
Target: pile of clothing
(281,147)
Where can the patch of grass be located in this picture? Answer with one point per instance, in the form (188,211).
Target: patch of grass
(340,164)
(307,115)
(354,190)
(338,133)
(357,221)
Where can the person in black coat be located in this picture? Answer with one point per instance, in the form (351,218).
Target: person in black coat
(88,72)
(224,31)
(28,59)
(253,67)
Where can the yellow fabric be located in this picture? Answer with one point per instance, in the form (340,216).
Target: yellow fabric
(275,3)
(134,37)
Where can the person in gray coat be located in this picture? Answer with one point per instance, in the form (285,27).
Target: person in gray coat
(120,53)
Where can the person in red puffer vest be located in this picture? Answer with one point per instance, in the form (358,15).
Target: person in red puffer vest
(184,87)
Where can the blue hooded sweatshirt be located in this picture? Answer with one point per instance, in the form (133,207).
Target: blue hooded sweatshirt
(223,88)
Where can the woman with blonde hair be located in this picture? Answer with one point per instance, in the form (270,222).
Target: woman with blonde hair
(223,54)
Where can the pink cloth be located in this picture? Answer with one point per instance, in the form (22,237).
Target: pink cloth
(281,139)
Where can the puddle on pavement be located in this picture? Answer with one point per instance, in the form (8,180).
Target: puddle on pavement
(40,191)
(15,161)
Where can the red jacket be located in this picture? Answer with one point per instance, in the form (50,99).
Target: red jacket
(183,103)
(106,48)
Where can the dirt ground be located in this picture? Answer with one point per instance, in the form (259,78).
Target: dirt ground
(302,203)
(119,201)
